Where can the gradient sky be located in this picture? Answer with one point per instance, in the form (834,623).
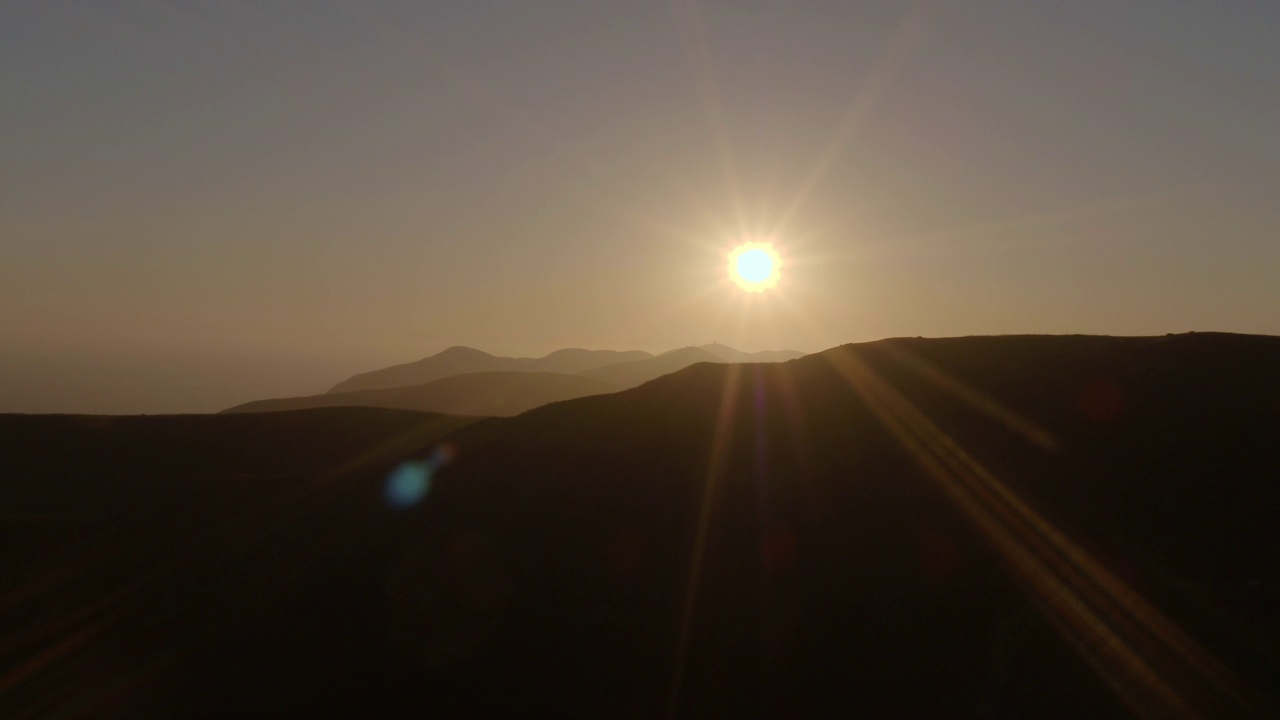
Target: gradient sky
(205,202)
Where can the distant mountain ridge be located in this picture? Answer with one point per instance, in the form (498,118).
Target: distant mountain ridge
(728,354)
(497,394)
(631,374)
(466,381)
(459,360)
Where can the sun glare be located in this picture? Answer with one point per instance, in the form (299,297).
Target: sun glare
(754,266)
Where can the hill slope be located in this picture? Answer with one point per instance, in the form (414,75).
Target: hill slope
(877,530)
(1153,453)
(478,394)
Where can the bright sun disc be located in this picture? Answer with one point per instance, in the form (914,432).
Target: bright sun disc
(754,266)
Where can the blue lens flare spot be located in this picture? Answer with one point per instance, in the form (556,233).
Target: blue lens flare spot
(408,484)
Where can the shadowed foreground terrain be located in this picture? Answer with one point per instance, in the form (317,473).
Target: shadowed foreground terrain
(971,527)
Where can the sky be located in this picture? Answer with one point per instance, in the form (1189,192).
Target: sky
(207,202)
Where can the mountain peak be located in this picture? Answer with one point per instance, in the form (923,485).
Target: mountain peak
(461,352)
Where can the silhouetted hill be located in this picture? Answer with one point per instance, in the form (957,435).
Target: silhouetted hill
(908,528)
(478,394)
(839,579)
(463,360)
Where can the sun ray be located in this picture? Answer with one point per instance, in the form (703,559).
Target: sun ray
(698,51)
(868,94)
(797,314)
(744,320)
(987,405)
(720,446)
(794,412)
(1028,227)
(1155,668)
(592,170)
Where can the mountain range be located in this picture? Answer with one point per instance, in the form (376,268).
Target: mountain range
(466,381)
(458,360)
(479,393)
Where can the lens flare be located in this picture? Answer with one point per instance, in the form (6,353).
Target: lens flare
(410,482)
(755,266)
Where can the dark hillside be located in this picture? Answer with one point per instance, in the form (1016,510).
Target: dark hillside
(971,527)
(59,464)
(1155,453)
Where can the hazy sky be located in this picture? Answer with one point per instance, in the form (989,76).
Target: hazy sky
(208,201)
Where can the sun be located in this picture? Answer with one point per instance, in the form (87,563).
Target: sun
(754,266)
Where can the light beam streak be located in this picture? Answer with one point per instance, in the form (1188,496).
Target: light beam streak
(1151,664)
